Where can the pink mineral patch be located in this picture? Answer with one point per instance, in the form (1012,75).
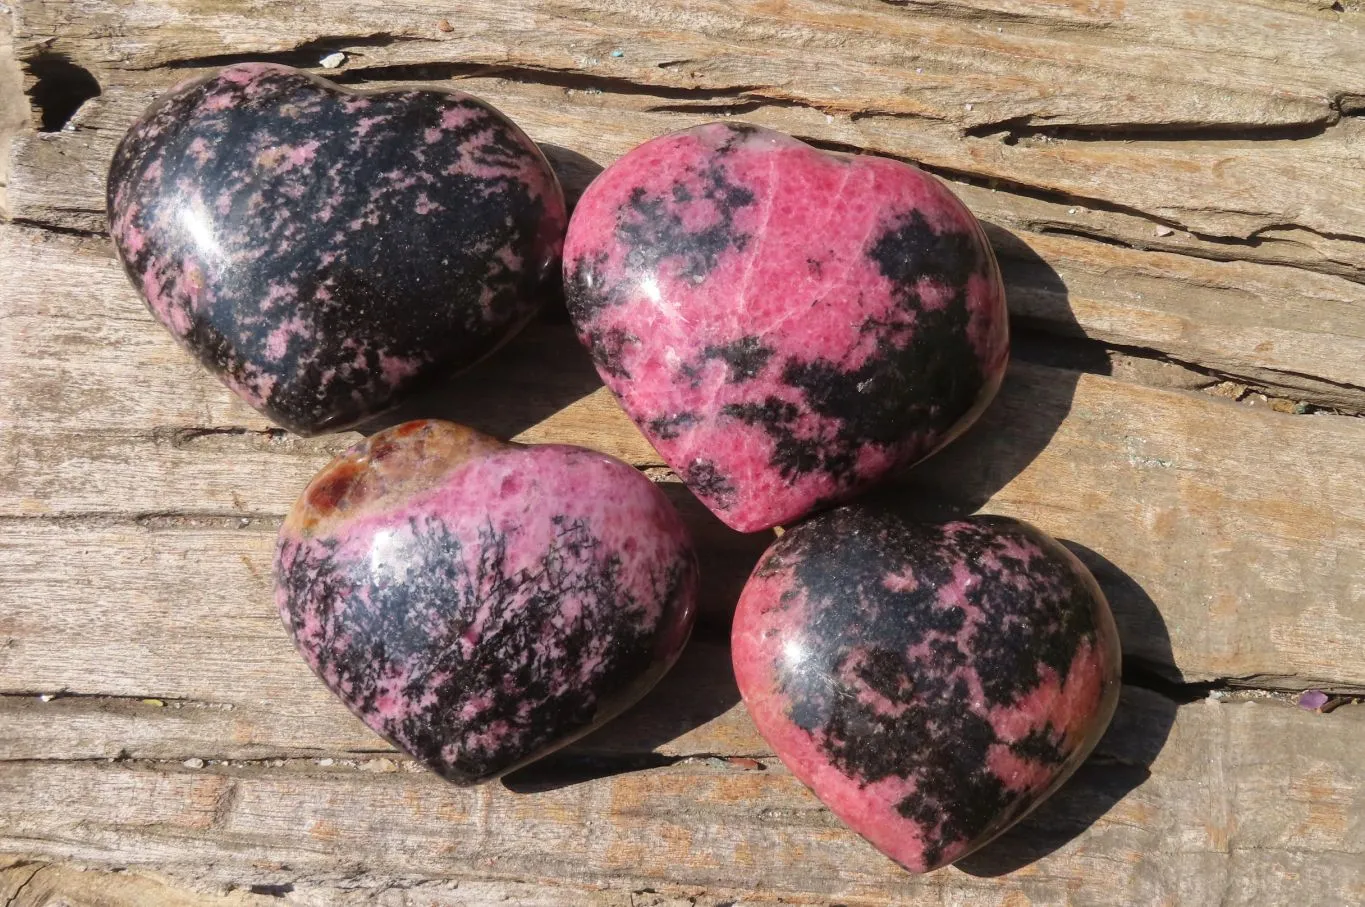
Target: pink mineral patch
(787,326)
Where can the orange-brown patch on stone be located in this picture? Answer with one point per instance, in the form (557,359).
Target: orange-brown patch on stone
(327,492)
(390,464)
(409,428)
(381,450)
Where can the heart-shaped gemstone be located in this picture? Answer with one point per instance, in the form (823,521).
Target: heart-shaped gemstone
(787,326)
(480,604)
(931,683)
(326,251)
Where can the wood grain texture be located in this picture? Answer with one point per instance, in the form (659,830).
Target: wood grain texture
(1144,478)
(1231,810)
(25,883)
(1281,327)
(1169,187)
(1167,512)
(13,110)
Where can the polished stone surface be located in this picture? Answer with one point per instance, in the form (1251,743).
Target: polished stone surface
(325,252)
(787,326)
(480,604)
(931,683)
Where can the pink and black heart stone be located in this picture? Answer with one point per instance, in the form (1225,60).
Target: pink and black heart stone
(931,683)
(787,326)
(326,251)
(478,603)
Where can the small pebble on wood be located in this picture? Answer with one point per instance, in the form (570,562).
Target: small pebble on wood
(480,604)
(931,683)
(787,326)
(325,252)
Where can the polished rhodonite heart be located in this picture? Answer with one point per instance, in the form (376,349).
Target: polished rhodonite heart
(786,325)
(326,251)
(479,603)
(931,683)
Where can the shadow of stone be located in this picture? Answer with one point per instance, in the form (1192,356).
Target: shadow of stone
(1033,401)
(700,688)
(538,373)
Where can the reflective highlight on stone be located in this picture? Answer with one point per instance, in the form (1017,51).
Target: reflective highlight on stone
(931,683)
(480,604)
(787,326)
(325,252)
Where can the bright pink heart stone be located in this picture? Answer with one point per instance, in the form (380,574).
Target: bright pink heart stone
(786,325)
(481,604)
(931,683)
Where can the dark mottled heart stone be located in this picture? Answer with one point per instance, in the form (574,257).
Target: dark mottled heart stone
(480,604)
(325,251)
(787,326)
(931,683)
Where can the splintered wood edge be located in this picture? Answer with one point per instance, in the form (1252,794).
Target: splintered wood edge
(14,109)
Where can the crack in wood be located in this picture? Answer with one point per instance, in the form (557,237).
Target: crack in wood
(59,228)
(1350,105)
(556,769)
(304,55)
(1087,353)
(1165,681)
(58,89)
(154,521)
(737,108)
(445,71)
(1013,130)
(1214,252)
(567,79)
(194,437)
(979,15)
(1260,232)
(14,898)
(1136,673)
(148,703)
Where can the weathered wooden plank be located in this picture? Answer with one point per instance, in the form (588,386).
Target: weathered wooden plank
(1149,484)
(28,883)
(928,81)
(139,497)
(240,714)
(1279,327)
(1152,475)
(62,174)
(186,618)
(1238,796)
(13,105)
(1296,333)
(1290,67)
(1143,478)
(1231,539)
